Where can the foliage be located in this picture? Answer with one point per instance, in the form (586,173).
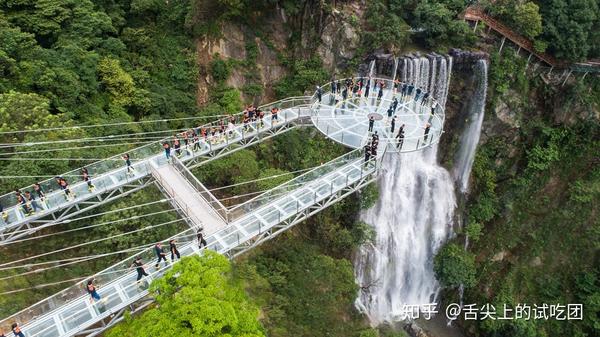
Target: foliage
(369,196)
(196,298)
(440,26)
(568,27)
(293,274)
(220,69)
(272,177)
(392,36)
(304,74)
(473,230)
(454,266)
(523,17)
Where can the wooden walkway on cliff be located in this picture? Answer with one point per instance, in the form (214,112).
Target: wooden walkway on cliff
(476,14)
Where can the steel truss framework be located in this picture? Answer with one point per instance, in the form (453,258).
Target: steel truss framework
(263,218)
(141,179)
(71,210)
(263,236)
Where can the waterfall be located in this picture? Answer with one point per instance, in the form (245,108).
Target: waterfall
(371,68)
(412,218)
(395,69)
(470,137)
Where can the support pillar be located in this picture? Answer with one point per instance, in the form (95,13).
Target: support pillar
(566,78)
(584,75)
(550,71)
(502,44)
(527,64)
(518,50)
(475,28)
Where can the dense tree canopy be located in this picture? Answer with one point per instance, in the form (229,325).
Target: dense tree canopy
(197,297)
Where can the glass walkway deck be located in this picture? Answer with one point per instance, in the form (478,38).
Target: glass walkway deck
(70,312)
(111,177)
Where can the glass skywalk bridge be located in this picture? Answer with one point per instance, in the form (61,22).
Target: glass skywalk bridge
(112,180)
(70,312)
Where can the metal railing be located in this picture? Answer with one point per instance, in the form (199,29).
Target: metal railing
(42,319)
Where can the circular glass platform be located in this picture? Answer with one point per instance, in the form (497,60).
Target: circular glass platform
(347,120)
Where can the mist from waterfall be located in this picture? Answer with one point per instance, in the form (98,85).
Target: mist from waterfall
(413,216)
(470,137)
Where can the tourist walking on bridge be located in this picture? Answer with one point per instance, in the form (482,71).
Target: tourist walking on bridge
(400,137)
(380,93)
(139,267)
(30,199)
(425,98)
(64,185)
(426,133)
(167,149)
(92,290)
(393,125)
(371,123)
(85,176)
(160,254)
(201,240)
(37,188)
(4,214)
(367,150)
(319,93)
(16,330)
(333,87)
(127,160)
(173,250)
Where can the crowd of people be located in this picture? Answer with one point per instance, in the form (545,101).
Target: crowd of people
(220,131)
(91,288)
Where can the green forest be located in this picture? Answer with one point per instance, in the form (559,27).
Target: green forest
(86,80)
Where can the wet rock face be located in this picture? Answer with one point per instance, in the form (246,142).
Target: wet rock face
(464,59)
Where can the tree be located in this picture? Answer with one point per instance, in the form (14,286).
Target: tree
(528,20)
(198,297)
(116,80)
(454,266)
(567,27)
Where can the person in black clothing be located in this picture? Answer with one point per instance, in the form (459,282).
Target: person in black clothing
(425,97)
(201,241)
(390,111)
(374,146)
(333,88)
(403,90)
(24,206)
(160,253)
(426,134)
(139,267)
(393,125)
(371,123)
(173,250)
(345,93)
(433,107)
(395,104)
(128,163)
(367,152)
(400,137)
(410,89)
(319,93)
(367,87)
(380,93)
(85,175)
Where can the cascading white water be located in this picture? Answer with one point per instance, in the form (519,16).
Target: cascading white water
(412,219)
(470,137)
(371,68)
